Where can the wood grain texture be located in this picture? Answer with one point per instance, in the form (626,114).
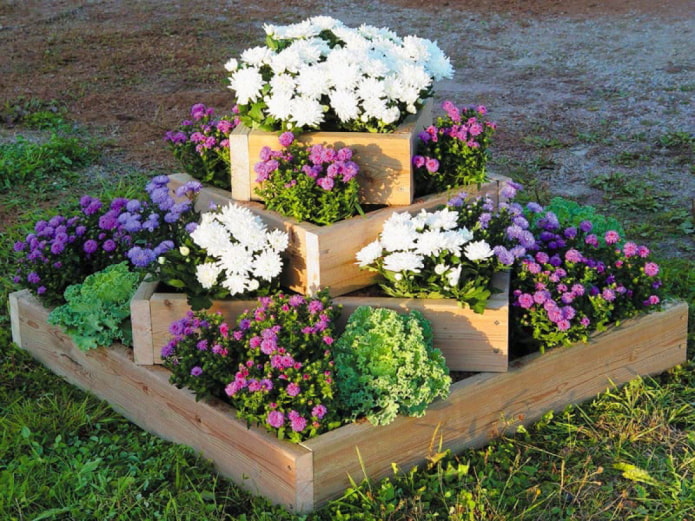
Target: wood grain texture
(324,256)
(306,476)
(384,159)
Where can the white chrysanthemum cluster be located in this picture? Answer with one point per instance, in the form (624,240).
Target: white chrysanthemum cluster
(365,73)
(406,241)
(245,252)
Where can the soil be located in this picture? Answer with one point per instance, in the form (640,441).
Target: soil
(581,90)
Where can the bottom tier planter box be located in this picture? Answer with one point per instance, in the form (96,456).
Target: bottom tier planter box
(307,475)
(469,341)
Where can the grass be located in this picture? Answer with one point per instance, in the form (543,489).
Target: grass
(64,455)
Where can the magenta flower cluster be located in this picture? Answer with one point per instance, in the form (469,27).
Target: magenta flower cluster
(314,183)
(453,151)
(63,250)
(201,144)
(275,366)
(575,283)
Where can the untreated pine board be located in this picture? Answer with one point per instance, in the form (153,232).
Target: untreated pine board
(486,405)
(252,458)
(384,159)
(324,256)
(305,476)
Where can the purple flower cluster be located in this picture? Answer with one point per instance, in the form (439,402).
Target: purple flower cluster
(314,183)
(286,379)
(63,250)
(573,283)
(452,152)
(201,144)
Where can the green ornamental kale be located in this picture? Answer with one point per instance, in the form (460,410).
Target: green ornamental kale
(386,365)
(97,311)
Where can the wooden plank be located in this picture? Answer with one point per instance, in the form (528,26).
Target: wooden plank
(255,460)
(140,317)
(469,341)
(305,476)
(240,163)
(384,159)
(324,256)
(486,405)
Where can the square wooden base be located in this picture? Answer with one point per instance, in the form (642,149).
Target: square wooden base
(305,476)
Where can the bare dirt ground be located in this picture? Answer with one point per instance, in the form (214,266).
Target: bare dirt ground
(591,96)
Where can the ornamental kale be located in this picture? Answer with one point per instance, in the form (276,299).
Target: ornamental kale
(97,311)
(576,283)
(453,152)
(63,250)
(308,183)
(386,365)
(201,145)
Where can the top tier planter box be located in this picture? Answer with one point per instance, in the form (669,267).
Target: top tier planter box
(385,176)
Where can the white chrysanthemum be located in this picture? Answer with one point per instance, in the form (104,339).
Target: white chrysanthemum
(312,82)
(373,108)
(345,104)
(306,112)
(256,56)
(303,29)
(279,105)
(209,233)
(453,276)
(444,219)
(478,250)
(375,66)
(390,115)
(311,50)
(207,274)
(231,65)
(283,84)
(441,269)
(453,241)
(287,60)
(247,83)
(415,76)
(243,225)
(236,258)
(403,261)
(278,240)
(267,265)
(253,285)
(439,64)
(325,23)
(429,243)
(354,42)
(371,89)
(416,48)
(235,284)
(395,88)
(398,232)
(369,254)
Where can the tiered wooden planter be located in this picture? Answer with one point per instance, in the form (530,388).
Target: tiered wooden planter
(469,341)
(307,475)
(385,159)
(324,256)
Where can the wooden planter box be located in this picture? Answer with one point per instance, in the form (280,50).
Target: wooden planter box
(469,341)
(324,256)
(386,175)
(305,476)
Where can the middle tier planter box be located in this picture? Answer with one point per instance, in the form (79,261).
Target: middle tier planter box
(324,256)
(386,174)
(470,341)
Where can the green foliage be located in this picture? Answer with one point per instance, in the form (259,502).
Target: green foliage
(97,311)
(386,365)
(34,113)
(35,164)
(571,213)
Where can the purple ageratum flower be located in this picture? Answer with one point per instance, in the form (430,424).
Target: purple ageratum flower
(293,389)
(510,189)
(563,325)
(296,300)
(608,294)
(611,237)
(525,301)
(286,139)
(90,246)
(196,371)
(141,257)
(168,349)
(109,245)
(33,278)
(315,306)
(275,419)
(651,269)
(198,111)
(573,255)
(202,345)
(431,165)
(163,247)
(344,154)
(653,300)
(326,183)
(319,411)
(298,423)
(534,207)
(504,256)
(418,161)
